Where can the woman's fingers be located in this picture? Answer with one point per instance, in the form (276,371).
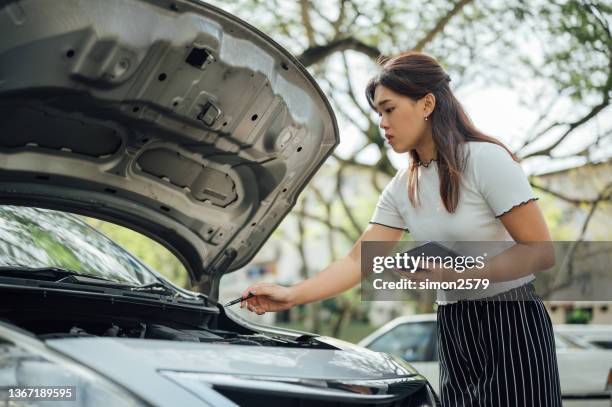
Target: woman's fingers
(245,293)
(268,297)
(257,304)
(250,303)
(257,308)
(257,301)
(253,289)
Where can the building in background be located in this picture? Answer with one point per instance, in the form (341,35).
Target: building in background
(585,182)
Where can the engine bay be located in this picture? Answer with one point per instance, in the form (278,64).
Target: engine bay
(148,330)
(52,314)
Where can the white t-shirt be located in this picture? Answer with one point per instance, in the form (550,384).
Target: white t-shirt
(492,183)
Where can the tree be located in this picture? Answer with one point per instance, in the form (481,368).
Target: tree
(478,42)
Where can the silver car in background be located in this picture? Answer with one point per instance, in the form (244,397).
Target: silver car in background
(585,371)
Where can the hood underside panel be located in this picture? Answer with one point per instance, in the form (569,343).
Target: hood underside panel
(181,122)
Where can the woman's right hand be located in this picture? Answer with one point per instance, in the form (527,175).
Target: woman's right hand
(268,298)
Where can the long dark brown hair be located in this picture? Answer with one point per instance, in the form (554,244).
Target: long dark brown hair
(415,74)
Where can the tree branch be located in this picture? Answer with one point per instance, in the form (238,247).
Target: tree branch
(571,200)
(317,53)
(305,12)
(374,182)
(308,216)
(584,152)
(531,135)
(341,15)
(328,214)
(606,90)
(345,206)
(351,161)
(569,257)
(572,126)
(351,92)
(439,27)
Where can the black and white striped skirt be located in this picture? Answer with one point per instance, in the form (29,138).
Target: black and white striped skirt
(498,352)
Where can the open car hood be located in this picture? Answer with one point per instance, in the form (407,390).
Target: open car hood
(175,119)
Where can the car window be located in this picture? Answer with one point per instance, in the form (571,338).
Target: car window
(560,343)
(603,344)
(593,340)
(38,238)
(412,341)
(564,341)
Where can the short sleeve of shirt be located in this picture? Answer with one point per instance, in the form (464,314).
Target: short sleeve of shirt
(387,211)
(500,179)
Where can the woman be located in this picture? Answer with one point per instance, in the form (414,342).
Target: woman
(460,185)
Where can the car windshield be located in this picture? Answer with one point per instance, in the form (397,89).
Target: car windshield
(40,238)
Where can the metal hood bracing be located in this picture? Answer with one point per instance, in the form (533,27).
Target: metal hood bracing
(173,118)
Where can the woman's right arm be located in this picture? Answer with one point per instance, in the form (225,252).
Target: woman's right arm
(339,276)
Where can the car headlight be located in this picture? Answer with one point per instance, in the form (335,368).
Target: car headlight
(258,391)
(28,364)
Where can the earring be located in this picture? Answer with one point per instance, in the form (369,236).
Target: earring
(425,118)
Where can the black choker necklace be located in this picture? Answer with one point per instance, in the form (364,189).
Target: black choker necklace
(422,164)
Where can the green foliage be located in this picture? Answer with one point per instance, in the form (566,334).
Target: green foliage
(147,250)
(56,251)
(559,228)
(579,316)
(578,52)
